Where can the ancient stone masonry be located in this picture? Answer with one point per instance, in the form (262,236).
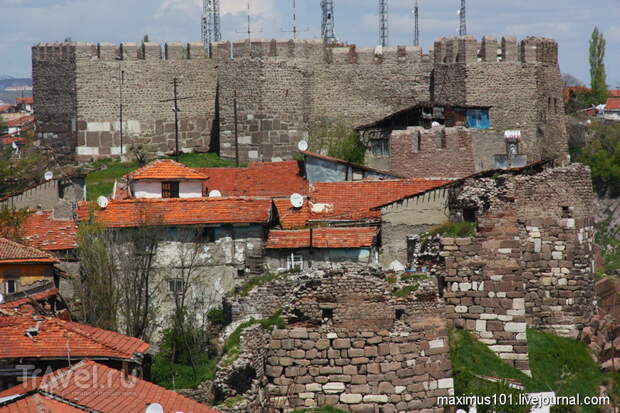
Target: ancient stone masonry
(531,264)
(519,81)
(80,87)
(352,344)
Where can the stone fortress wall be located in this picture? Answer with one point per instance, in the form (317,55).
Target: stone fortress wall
(283,90)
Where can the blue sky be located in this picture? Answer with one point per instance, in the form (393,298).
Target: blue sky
(26,22)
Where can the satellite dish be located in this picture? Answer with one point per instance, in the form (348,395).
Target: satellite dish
(297,200)
(154,408)
(215,194)
(1,298)
(302,146)
(48,175)
(102,201)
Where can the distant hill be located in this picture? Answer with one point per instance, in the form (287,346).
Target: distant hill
(9,96)
(8,81)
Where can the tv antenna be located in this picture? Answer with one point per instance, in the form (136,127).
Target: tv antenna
(327,25)
(103,202)
(175,84)
(215,194)
(295,29)
(302,146)
(48,175)
(154,408)
(383,22)
(1,298)
(249,30)
(416,24)
(463,19)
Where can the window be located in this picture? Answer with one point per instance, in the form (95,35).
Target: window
(469,215)
(208,234)
(295,262)
(567,212)
(399,313)
(327,313)
(10,286)
(176,285)
(170,189)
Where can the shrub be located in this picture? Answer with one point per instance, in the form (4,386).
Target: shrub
(454,229)
(216,317)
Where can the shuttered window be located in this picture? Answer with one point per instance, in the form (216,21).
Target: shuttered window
(169,189)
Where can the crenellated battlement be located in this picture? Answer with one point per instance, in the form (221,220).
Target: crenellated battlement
(467,49)
(316,51)
(74,51)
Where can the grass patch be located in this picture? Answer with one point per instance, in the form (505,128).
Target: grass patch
(231,347)
(454,230)
(232,401)
(181,376)
(564,365)
(405,291)
(244,289)
(101,181)
(414,277)
(391,279)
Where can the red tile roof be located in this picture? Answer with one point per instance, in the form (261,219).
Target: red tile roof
(613,103)
(11,252)
(94,386)
(290,217)
(37,402)
(40,230)
(44,295)
(347,237)
(4,108)
(614,93)
(351,201)
(20,121)
(166,169)
(261,179)
(178,211)
(26,101)
(58,338)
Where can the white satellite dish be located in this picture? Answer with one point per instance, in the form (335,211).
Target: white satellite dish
(48,175)
(297,200)
(215,194)
(1,298)
(302,146)
(154,408)
(102,201)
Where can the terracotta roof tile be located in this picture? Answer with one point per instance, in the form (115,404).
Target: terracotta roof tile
(177,211)
(12,252)
(26,101)
(290,217)
(166,169)
(4,108)
(348,237)
(111,392)
(42,231)
(37,402)
(351,201)
(261,179)
(44,295)
(20,121)
(56,337)
(613,103)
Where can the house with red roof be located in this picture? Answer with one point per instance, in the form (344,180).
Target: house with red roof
(612,109)
(94,387)
(34,345)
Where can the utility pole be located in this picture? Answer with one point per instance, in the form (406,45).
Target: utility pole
(383,22)
(295,30)
(120,93)
(416,24)
(463,19)
(236,129)
(175,83)
(327,25)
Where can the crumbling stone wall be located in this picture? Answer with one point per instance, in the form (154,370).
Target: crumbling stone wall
(530,265)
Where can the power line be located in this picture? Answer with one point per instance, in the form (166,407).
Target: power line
(327,25)
(463,19)
(383,22)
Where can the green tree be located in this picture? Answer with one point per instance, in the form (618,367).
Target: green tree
(597,67)
(146,39)
(602,155)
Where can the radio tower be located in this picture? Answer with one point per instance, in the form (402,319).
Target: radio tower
(383,22)
(416,29)
(211,29)
(463,15)
(327,25)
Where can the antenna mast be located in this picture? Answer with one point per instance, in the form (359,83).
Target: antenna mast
(383,22)
(295,30)
(211,28)
(416,29)
(327,26)
(463,15)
